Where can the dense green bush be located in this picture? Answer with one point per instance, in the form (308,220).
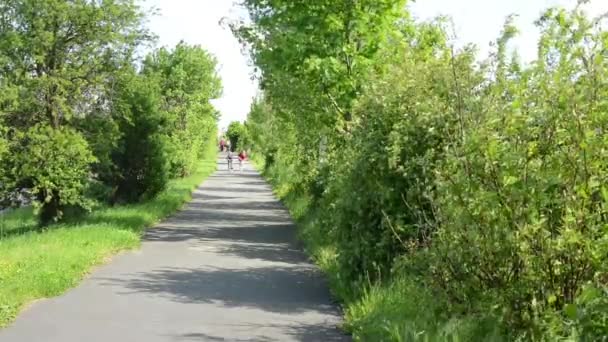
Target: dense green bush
(235,134)
(483,182)
(384,204)
(53,164)
(3,144)
(58,62)
(140,157)
(188,80)
(525,186)
(67,70)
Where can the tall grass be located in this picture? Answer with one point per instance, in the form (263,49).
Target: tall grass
(41,264)
(17,221)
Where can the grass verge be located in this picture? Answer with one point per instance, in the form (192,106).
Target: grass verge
(400,309)
(45,264)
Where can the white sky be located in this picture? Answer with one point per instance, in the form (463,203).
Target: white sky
(480,21)
(197,22)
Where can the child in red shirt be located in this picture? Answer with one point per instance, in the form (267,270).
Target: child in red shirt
(242,157)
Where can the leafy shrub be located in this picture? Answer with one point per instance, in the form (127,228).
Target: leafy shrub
(140,158)
(187,146)
(235,132)
(483,181)
(384,205)
(526,185)
(102,133)
(54,164)
(187,80)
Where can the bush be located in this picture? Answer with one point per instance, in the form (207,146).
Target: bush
(187,80)
(187,146)
(235,133)
(102,133)
(54,164)
(140,158)
(525,186)
(485,181)
(385,182)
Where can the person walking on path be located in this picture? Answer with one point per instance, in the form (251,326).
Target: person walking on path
(222,145)
(229,157)
(242,157)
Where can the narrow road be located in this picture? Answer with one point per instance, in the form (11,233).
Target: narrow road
(225,268)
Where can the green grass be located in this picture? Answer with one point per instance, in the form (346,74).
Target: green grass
(42,264)
(17,221)
(401,309)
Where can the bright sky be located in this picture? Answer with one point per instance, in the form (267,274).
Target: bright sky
(480,21)
(197,22)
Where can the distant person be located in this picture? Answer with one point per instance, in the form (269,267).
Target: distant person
(229,157)
(222,145)
(228,146)
(242,157)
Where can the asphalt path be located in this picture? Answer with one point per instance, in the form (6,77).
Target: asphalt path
(227,267)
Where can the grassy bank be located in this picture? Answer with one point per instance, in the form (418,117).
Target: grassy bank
(44,264)
(400,309)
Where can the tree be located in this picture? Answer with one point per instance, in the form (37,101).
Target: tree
(62,54)
(188,81)
(313,58)
(483,182)
(141,154)
(56,176)
(327,42)
(59,59)
(234,132)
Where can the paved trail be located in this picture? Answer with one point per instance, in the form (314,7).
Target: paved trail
(225,268)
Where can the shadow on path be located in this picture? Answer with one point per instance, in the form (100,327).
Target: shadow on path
(271,289)
(299,332)
(227,267)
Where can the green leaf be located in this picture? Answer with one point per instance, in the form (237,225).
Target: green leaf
(510,180)
(552,299)
(570,310)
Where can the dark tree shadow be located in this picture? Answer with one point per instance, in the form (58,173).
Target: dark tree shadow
(256,183)
(224,173)
(299,332)
(22,230)
(275,243)
(239,190)
(212,338)
(250,205)
(228,212)
(288,290)
(201,196)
